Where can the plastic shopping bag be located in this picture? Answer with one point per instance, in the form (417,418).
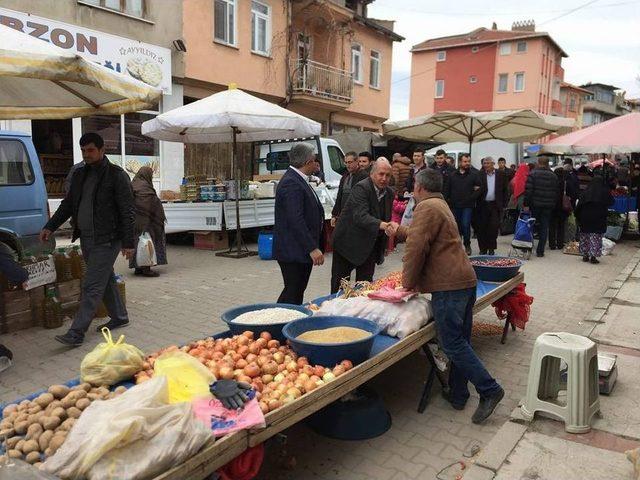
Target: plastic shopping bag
(135,436)
(222,420)
(607,246)
(187,378)
(146,252)
(407,216)
(109,363)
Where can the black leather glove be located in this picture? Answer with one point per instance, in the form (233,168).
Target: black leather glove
(232,394)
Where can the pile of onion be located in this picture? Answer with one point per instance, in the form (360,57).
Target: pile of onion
(277,374)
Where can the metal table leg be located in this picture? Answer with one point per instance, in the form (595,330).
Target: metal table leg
(505,330)
(433,373)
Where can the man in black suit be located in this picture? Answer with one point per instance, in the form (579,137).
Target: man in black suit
(347,182)
(494,188)
(359,239)
(299,220)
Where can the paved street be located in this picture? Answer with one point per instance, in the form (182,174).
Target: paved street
(186,301)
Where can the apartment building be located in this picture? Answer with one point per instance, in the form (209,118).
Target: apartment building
(602,103)
(572,102)
(326,60)
(487,69)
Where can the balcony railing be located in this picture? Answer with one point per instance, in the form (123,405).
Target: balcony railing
(323,81)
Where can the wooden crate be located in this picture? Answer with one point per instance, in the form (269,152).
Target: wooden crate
(69,289)
(15,311)
(16,321)
(211,240)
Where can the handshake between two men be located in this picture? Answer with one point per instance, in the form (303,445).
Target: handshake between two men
(390,228)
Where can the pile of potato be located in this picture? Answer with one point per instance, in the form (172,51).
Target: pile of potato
(34,430)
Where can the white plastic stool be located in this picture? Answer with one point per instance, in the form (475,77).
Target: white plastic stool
(582,401)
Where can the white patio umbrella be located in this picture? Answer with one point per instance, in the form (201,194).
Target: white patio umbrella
(41,81)
(508,125)
(230,116)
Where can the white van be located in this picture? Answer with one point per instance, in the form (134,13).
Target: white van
(273,158)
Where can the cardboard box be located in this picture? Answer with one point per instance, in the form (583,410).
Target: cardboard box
(211,240)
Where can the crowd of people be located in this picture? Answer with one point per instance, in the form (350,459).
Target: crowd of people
(364,218)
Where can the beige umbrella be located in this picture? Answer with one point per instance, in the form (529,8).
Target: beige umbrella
(41,81)
(508,125)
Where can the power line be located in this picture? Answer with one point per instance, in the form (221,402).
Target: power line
(580,7)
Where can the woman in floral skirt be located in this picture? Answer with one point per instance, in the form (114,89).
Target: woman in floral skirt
(591,215)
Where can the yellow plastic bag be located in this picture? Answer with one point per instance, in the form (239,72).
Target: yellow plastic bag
(187,377)
(110,363)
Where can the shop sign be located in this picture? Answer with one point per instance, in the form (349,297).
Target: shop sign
(148,63)
(40,273)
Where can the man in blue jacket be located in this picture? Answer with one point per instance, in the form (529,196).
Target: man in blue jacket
(299,220)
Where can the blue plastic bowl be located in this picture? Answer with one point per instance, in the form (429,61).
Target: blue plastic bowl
(330,354)
(275,329)
(320,300)
(494,274)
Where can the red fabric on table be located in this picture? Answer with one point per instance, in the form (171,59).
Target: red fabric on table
(516,304)
(245,466)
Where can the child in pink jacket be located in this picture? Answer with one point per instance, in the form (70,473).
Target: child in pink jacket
(399,205)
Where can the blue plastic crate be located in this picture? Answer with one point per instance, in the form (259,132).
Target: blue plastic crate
(625,204)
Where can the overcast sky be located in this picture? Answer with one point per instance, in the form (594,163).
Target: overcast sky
(602,39)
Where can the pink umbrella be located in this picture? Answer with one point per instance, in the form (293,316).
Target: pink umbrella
(618,135)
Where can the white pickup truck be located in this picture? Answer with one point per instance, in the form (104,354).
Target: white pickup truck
(259,212)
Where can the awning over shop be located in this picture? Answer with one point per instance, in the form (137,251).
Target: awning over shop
(41,81)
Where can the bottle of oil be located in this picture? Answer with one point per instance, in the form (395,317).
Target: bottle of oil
(67,273)
(52,309)
(58,260)
(121,288)
(77,263)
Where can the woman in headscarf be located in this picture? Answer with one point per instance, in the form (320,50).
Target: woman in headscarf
(150,218)
(591,215)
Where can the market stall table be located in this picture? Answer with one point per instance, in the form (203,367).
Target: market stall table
(386,352)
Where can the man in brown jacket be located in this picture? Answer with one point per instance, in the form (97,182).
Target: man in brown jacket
(435,262)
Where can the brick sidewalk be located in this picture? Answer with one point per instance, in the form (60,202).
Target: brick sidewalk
(186,301)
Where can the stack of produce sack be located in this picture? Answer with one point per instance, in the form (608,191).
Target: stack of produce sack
(396,318)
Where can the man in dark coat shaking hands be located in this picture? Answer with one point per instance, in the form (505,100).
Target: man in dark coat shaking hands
(299,220)
(359,240)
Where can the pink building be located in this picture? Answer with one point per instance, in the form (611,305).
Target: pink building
(487,69)
(572,100)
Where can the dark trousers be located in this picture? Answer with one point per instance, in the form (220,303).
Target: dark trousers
(557,229)
(296,277)
(543,218)
(99,284)
(453,314)
(463,219)
(342,268)
(489,215)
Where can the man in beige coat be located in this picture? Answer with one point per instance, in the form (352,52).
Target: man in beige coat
(435,262)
